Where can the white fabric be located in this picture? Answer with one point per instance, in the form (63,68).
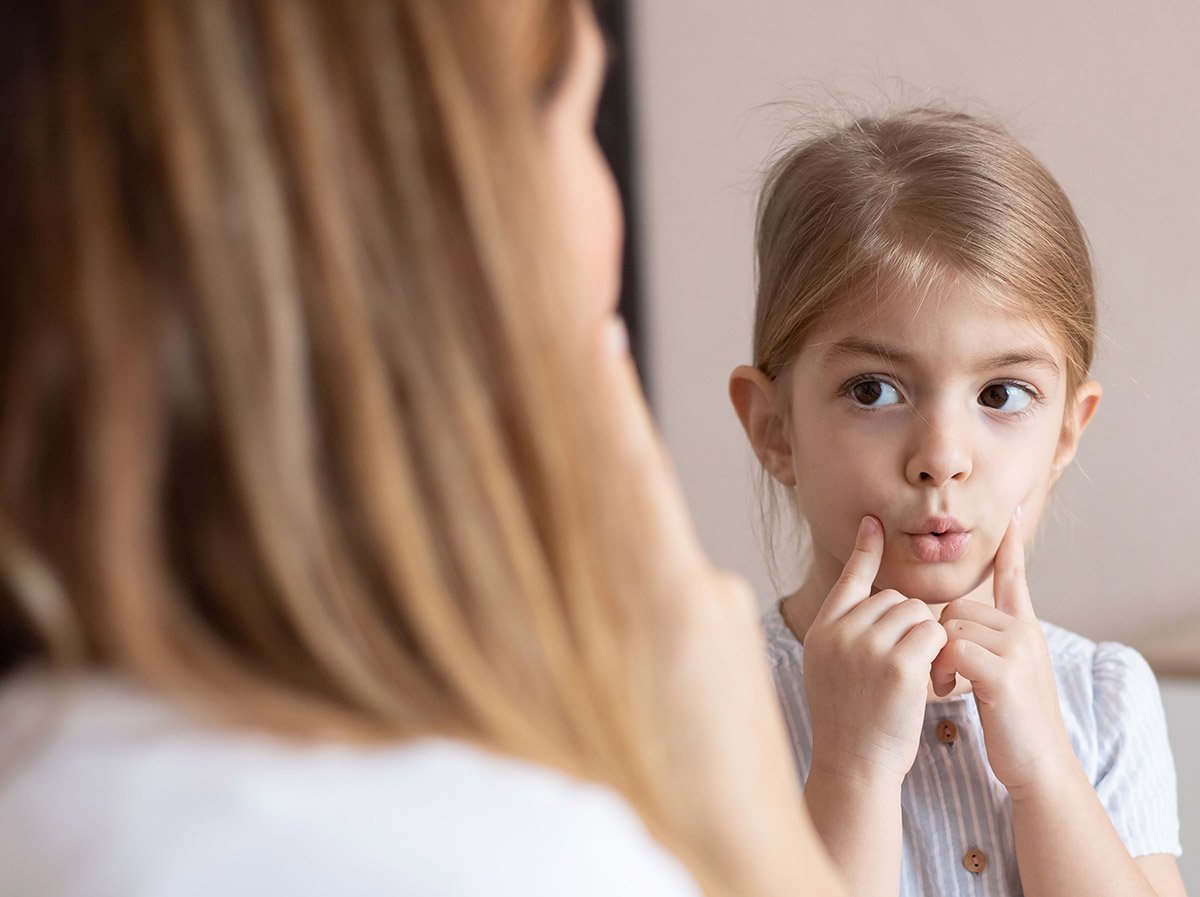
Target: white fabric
(122,796)
(950,800)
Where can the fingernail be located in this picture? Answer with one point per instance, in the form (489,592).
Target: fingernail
(870,526)
(617,336)
(1017,514)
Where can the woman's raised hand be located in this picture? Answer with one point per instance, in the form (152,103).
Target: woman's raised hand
(727,734)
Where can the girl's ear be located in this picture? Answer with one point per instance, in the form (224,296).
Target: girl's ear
(754,398)
(1080,411)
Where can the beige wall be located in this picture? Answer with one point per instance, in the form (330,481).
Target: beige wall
(1107,94)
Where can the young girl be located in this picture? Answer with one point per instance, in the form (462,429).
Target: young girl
(924,329)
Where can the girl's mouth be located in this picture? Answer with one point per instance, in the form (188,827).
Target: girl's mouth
(939,547)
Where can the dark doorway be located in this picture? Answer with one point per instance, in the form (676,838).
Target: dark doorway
(615,129)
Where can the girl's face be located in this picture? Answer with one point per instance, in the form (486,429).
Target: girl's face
(589,206)
(939,417)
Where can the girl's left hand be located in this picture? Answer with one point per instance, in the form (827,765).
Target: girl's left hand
(1002,651)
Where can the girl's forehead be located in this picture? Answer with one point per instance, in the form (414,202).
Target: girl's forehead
(956,326)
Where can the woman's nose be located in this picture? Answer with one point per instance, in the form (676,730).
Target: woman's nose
(940,453)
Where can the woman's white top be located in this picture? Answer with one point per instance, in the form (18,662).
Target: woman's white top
(114,793)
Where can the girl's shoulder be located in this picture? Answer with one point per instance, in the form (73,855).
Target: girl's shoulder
(1108,665)
(143,799)
(1107,692)
(783,648)
(1113,714)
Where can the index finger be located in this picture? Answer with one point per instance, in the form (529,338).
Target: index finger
(1009,587)
(858,576)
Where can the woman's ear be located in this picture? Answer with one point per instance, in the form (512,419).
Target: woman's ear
(1081,408)
(754,397)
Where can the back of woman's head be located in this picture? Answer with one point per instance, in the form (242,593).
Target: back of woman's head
(886,208)
(287,423)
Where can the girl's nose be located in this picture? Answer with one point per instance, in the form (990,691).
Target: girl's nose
(941,454)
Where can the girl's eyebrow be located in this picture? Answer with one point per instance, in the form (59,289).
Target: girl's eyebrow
(1019,358)
(855,347)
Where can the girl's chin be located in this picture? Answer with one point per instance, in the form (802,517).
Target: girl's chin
(933,586)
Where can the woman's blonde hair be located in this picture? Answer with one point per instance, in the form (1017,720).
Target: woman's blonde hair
(886,206)
(291,423)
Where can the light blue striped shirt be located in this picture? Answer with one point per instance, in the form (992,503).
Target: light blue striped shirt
(955,812)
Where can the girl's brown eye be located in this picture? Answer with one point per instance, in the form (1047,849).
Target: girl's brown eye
(868,393)
(874,393)
(1008,397)
(994,396)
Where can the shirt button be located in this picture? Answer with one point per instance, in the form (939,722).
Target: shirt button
(947,732)
(975,860)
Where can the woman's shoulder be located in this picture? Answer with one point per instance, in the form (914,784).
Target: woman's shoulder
(144,800)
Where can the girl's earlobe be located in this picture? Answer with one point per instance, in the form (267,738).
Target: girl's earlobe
(1081,409)
(754,396)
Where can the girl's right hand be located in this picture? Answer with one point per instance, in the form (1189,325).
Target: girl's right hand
(867,661)
(727,737)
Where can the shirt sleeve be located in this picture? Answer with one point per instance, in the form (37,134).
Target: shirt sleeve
(1135,772)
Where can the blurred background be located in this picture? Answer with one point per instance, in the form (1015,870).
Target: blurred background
(1107,95)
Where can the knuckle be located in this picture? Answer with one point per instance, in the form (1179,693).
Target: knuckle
(955,607)
(1005,688)
(934,630)
(895,669)
(919,607)
(877,644)
(847,579)
(840,642)
(1026,651)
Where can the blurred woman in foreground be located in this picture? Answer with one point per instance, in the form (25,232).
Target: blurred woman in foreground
(338,553)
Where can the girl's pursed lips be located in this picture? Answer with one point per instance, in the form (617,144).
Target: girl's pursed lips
(936,525)
(938,538)
(939,547)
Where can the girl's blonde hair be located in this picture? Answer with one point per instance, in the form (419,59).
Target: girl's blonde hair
(291,426)
(888,206)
